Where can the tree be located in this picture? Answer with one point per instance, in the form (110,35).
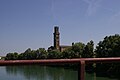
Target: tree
(76,51)
(89,50)
(54,54)
(68,53)
(27,54)
(12,56)
(21,56)
(41,53)
(109,47)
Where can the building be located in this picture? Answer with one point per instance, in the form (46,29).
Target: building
(56,41)
(56,38)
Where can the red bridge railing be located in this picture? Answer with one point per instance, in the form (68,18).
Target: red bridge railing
(81,61)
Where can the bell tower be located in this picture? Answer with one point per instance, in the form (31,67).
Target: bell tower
(56,38)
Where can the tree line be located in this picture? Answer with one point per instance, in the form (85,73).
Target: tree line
(77,50)
(108,47)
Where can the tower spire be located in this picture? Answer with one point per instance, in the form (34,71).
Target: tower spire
(56,38)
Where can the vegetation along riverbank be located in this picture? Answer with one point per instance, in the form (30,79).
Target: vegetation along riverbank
(108,47)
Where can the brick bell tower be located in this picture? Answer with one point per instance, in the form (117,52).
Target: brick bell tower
(56,38)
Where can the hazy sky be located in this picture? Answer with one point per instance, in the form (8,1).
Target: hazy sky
(29,23)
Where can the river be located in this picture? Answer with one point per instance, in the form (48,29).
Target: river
(37,72)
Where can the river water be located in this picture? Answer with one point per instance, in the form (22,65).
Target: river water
(37,72)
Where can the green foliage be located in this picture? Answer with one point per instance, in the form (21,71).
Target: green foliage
(41,53)
(109,47)
(89,50)
(76,51)
(68,53)
(12,56)
(29,54)
(54,54)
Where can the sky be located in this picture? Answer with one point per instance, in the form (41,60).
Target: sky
(29,23)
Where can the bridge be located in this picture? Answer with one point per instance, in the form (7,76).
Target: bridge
(81,61)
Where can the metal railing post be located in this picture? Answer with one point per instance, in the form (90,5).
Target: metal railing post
(82,70)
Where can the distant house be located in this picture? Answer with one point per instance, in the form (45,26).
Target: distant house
(57,45)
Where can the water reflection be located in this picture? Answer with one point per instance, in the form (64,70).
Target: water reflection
(37,72)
